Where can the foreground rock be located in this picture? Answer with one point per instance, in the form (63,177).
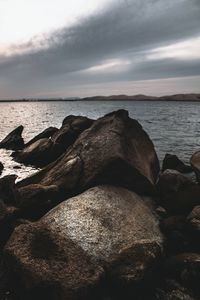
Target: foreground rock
(1,168)
(114,150)
(104,231)
(178,194)
(47,133)
(43,150)
(174,163)
(195,163)
(14,140)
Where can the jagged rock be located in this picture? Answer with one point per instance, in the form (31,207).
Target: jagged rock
(1,168)
(174,163)
(114,150)
(104,231)
(178,194)
(47,133)
(195,163)
(14,140)
(185,268)
(45,150)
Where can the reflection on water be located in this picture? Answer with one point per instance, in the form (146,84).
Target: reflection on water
(174,127)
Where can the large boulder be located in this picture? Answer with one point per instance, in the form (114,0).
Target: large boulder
(114,150)
(106,231)
(8,190)
(174,163)
(47,133)
(44,150)
(195,163)
(178,194)
(14,140)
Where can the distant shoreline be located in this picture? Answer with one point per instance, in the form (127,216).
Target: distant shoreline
(171,98)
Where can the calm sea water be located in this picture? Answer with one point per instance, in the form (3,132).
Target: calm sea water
(174,127)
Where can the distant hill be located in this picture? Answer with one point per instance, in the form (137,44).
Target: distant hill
(177,97)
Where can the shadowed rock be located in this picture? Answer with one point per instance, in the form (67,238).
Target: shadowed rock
(104,230)
(174,163)
(8,190)
(1,168)
(47,133)
(185,267)
(45,150)
(14,140)
(178,194)
(114,150)
(195,163)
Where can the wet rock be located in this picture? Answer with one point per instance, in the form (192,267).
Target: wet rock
(47,133)
(185,268)
(178,194)
(14,140)
(46,150)
(195,163)
(174,163)
(114,150)
(106,231)
(1,168)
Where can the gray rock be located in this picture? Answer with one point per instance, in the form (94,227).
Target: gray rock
(104,230)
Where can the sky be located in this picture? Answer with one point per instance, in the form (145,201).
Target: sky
(79,48)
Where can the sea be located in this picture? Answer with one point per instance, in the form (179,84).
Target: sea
(174,127)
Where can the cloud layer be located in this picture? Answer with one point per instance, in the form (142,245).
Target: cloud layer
(127,41)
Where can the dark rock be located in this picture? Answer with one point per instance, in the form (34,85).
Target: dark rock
(178,194)
(114,150)
(106,231)
(38,154)
(174,163)
(8,191)
(17,167)
(14,140)
(193,227)
(46,150)
(173,223)
(35,200)
(195,163)
(172,290)
(47,133)
(1,168)
(185,268)
(161,212)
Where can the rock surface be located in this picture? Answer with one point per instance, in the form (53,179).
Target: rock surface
(195,163)
(14,140)
(1,168)
(104,230)
(174,163)
(114,150)
(47,133)
(50,144)
(178,194)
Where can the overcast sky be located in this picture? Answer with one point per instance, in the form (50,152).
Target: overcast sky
(81,48)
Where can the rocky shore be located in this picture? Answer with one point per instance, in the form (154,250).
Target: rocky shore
(101,219)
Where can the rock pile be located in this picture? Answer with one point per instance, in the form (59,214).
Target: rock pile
(99,221)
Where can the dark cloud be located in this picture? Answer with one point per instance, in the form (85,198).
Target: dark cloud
(125,30)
